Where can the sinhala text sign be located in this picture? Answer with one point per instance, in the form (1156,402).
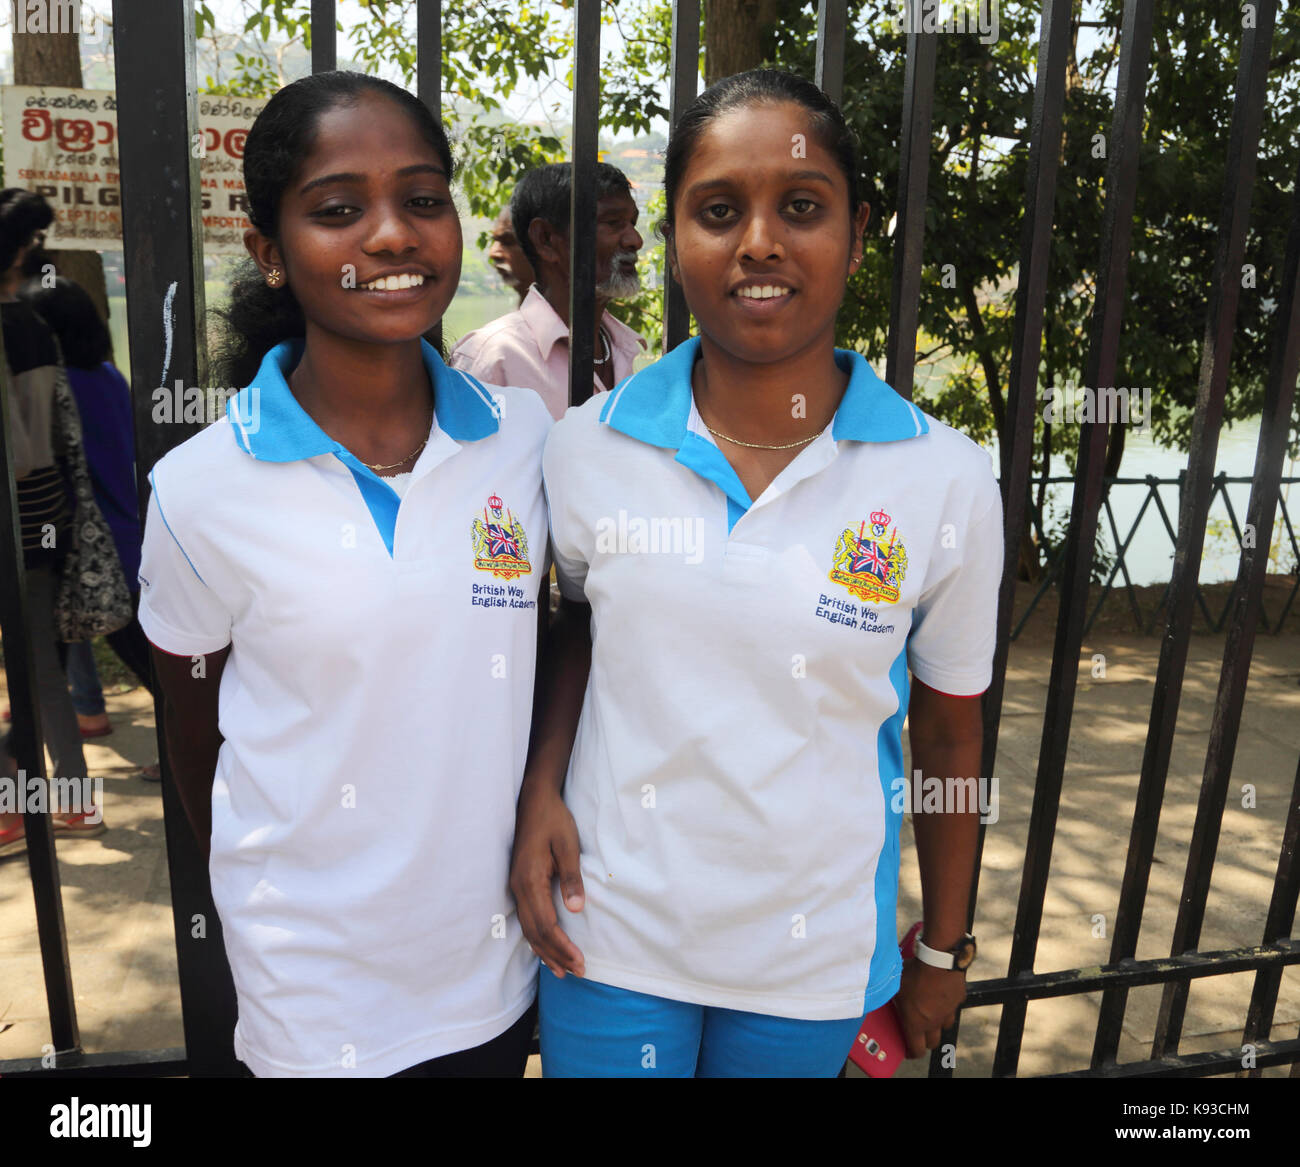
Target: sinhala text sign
(62,143)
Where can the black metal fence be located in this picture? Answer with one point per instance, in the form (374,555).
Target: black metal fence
(156,92)
(1152,503)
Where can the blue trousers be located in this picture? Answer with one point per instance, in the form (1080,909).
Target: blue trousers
(592,1030)
(83,679)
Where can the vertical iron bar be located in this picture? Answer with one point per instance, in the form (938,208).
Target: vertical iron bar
(832,25)
(1239,645)
(1280,921)
(1026,350)
(1108,310)
(157,119)
(582,202)
(428,55)
(913,184)
(685,83)
(27,744)
(428,87)
(324,37)
(1221,316)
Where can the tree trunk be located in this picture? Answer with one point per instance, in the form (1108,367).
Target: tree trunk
(735,33)
(1115,448)
(54,58)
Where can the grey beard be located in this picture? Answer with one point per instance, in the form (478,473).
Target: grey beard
(619,286)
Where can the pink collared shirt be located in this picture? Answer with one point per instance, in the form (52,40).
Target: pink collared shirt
(530,347)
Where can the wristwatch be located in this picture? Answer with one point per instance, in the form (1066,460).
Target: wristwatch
(959,956)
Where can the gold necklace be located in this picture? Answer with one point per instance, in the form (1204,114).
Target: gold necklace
(758,445)
(704,378)
(414,454)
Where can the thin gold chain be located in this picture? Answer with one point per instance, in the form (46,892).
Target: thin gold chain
(758,445)
(414,454)
(751,445)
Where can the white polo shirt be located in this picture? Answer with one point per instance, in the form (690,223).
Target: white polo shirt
(375,707)
(733,777)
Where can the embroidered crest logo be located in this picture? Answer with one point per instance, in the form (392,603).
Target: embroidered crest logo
(500,545)
(871,564)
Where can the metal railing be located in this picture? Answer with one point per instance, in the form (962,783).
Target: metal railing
(1146,624)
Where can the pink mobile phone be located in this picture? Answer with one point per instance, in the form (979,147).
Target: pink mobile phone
(880,1046)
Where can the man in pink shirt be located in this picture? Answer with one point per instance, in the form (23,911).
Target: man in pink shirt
(530,346)
(508,257)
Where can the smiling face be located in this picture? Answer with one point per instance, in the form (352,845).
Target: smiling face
(762,239)
(369,239)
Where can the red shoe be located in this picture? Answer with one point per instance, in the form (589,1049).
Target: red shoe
(6,714)
(94,724)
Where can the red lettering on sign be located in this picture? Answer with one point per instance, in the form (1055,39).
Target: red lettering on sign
(37,124)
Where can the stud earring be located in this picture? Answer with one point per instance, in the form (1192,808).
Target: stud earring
(273,277)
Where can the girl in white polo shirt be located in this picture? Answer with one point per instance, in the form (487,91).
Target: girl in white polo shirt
(782,557)
(340,578)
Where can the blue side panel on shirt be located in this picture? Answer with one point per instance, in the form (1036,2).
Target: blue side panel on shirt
(886,961)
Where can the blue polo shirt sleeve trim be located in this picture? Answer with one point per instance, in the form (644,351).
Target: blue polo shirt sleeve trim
(153,485)
(180,612)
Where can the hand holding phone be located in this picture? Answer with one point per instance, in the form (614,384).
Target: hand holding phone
(880,1047)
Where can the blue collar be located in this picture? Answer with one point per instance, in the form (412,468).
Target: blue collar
(654,405)
(270,425)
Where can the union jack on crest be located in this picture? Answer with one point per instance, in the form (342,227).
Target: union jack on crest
(500,543)
(868,558)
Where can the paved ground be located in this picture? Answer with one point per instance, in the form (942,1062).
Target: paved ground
(120,930)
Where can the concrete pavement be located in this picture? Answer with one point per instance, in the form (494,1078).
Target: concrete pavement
(119,926)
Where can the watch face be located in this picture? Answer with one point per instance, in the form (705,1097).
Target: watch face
(965,953)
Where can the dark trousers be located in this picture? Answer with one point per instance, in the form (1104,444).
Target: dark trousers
(505,1056)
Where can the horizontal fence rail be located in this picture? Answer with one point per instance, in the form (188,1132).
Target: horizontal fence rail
(1152,503)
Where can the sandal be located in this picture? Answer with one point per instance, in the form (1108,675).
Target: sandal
(78,826)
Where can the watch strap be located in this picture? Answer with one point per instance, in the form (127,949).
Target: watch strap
(937,957)
(933,956)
